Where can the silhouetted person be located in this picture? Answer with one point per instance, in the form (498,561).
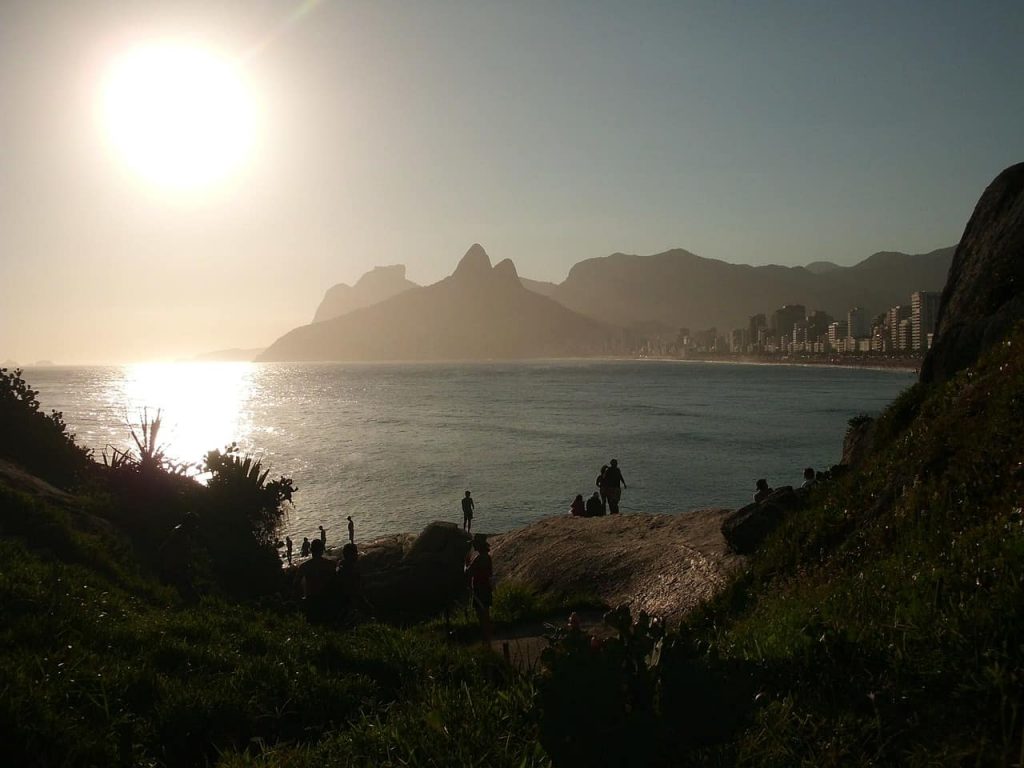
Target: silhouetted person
(317,576)
(467,512)
(578,508)
(304,552)
(288,548)
(809,478)
(613,485)
(323,535)
(600,487)
(763,491)
(350,581)
(480,572)
(595,507)
(351,531)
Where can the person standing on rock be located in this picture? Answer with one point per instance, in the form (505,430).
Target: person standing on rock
(600,488)
(304,552)
(467,512)
(288,548)
(323,536)
(351,531)
(614,483)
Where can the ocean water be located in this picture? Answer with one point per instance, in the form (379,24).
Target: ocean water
(396,445)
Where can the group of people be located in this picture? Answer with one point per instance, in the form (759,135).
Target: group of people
(610,484)
(331,589)
(762,490)
(307,547)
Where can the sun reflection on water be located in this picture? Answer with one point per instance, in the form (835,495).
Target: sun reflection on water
(203,405)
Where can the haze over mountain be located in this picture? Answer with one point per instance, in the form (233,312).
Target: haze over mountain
(479,312)
(375,286)
(680,289)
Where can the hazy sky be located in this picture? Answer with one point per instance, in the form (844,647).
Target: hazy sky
(387,132)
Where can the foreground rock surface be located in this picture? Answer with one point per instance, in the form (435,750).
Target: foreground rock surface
(663,564)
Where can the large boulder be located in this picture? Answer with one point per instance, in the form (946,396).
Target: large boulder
(748,526)
(984,294)
(412,579)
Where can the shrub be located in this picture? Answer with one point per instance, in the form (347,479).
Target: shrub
(41,443)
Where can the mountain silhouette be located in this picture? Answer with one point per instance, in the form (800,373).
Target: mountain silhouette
(678,289)
(479,312)
(375,286)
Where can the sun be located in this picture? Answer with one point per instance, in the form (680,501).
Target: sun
(180,115)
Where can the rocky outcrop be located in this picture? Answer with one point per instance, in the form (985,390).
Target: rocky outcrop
(415,576)
(857,441)
(479,312)
(375,286)
(663,564)
(984,295)
(747,527)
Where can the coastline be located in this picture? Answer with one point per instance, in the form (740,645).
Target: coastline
(900,364)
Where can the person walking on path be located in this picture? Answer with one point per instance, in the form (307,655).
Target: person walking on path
(480,571)
(351,531)
(614,483)
(467,512)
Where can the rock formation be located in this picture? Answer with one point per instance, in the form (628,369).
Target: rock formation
(984,297)
(375,286)
(479,312)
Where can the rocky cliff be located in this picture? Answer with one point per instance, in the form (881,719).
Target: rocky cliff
(984,297)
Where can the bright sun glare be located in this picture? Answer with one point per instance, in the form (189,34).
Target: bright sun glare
(180,115)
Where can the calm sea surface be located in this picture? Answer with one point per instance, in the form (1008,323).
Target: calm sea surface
(396,445)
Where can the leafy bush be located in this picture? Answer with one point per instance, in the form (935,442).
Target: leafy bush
(41,443)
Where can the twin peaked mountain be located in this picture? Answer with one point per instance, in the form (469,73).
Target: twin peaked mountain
(485,312)
(479,312)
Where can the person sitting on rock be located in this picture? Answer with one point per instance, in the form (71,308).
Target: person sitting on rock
(480,571)
(577,508)
(317,576)
(595,507)
(763,491)
(809,478)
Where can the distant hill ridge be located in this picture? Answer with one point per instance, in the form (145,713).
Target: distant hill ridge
(680,289)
